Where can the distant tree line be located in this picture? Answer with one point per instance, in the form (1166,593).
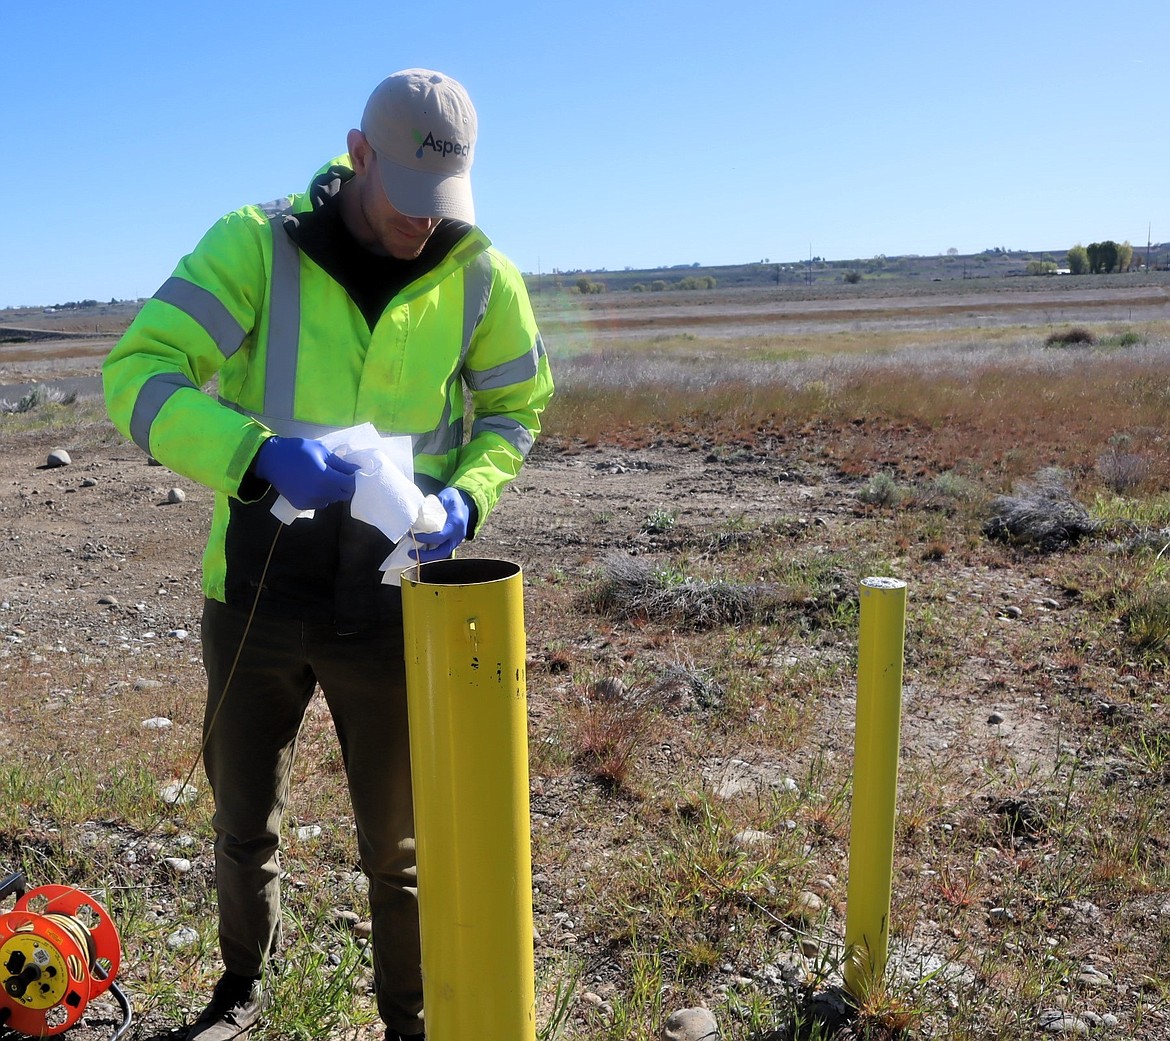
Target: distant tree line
(72,304)
(1100,258)
(660,285)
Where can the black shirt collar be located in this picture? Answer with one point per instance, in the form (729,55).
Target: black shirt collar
(370,279)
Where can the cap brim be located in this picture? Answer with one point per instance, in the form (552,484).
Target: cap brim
(425,195)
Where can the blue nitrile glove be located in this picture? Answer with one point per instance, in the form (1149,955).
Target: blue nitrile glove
(305,472)
(442,543)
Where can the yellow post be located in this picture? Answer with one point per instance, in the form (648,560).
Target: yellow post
(465,650)
(875,782)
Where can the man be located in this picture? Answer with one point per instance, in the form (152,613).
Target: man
(371,298)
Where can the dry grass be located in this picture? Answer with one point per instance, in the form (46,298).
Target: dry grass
(1005,864)
(692,705)
(1003,410)
(632,588)
(1042,515)
(73,352)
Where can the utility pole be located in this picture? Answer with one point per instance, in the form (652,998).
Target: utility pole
(1149,229)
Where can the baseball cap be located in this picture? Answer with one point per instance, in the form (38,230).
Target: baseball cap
(421,125)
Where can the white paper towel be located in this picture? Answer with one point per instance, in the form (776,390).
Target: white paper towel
(360,438)
(384,491)
(431,517)
(384,498)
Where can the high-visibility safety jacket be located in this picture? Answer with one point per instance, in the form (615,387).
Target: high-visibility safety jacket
(290,353)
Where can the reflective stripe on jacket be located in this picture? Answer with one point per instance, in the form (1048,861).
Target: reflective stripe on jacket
(250,337)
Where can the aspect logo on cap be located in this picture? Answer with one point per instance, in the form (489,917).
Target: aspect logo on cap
(442,147)
(422,126)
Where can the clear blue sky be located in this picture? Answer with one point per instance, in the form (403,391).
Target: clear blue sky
(612,134)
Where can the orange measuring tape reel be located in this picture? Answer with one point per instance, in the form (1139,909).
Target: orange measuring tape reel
(59,949)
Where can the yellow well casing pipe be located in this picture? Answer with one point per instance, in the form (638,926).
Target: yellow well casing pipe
(465,650)
(875,782)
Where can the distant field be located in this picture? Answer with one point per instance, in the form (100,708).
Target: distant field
(80,337)
(717,473)
(787,312)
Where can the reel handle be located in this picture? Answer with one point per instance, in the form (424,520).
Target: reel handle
(14,883)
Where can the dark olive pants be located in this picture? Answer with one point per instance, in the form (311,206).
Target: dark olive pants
(251,740)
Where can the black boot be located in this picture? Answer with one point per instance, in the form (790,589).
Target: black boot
(235,1007)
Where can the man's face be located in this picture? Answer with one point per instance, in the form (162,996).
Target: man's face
(394,233)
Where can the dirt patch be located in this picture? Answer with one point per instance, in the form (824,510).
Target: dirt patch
(98,563)
(1009,677)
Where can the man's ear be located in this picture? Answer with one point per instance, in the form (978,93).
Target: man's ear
(361,154)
